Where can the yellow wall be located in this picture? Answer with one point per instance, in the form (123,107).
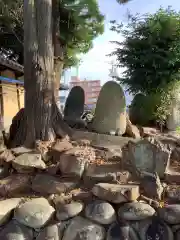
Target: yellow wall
(10,103)
(10,98)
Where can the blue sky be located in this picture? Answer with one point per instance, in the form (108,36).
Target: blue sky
(95,63)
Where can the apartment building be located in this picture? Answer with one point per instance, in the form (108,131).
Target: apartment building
(91,89)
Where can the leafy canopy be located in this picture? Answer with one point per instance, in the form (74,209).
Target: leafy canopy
(79,23)
(150,51)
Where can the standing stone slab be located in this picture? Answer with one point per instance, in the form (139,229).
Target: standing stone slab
(148,155)
(34,213)
(173,120)
(81,229)
(137,112)
(74,106)
(110,113)
(16,231)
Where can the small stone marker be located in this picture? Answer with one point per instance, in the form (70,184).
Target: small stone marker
(110,112)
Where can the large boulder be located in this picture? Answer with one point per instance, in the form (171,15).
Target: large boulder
(170,214)
(81,228)
(100,212)
(15,231)
(135,211)
(34,213)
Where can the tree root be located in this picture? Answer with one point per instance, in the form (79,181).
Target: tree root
(19,129)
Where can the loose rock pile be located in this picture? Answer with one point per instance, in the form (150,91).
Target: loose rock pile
(82,189)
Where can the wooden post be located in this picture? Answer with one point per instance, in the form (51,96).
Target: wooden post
(18,96)
(1,107)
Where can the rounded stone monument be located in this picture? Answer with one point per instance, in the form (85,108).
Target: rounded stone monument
(110,112)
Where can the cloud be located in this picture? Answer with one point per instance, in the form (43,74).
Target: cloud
(96,64)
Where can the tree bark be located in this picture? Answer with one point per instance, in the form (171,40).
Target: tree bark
(58,48)
(42,119)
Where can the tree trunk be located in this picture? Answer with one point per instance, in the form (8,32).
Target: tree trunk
(42,119)
(58,48)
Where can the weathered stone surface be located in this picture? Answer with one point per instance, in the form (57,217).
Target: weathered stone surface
(106,172)
(177,235)
(47,184)
(173,120)
(172,177)
(83,195)
(113,119)
(66,211)
(74,106)
(173,192)
(72,162)
(121,231)
(81,228)
(59,147)
(151,185)
(34,213)
(135,211)
(147,155)
(6,156)
(20,150)
(137,109)
(4,170)
(116,193)
(170,213)
(102,140)
(108,152)
(27,162)
(132,130)
(2,145)
(43,147)
(156,229)
(175,155)
(16,231)
(147,131)
(6,207)
(14,184)
(100,212)
(52,232)
(52,169)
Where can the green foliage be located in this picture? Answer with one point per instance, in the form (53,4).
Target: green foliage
(150,52)
(178,129)
(79,23)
